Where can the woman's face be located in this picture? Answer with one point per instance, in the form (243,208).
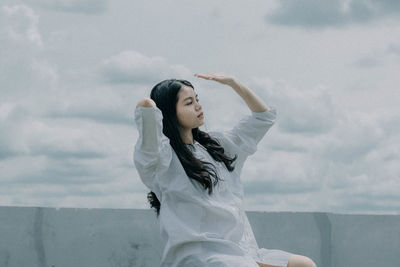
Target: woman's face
(188,108)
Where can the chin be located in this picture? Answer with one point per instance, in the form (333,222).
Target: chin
(198,125)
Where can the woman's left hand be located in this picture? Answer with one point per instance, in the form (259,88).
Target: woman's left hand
(218,77)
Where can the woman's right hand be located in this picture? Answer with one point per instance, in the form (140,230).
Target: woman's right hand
(146,102)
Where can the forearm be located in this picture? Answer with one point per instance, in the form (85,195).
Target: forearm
(254,102)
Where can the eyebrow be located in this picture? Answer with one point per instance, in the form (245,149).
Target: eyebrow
(189,98)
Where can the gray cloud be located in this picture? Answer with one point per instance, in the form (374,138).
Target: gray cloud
(335,13)
(100,115)
(11,117)
(53,152)
(366,202)
(105,117)
(74,6)
(393,49)
(278,187)
(60,175)
(367,62)
(5,151)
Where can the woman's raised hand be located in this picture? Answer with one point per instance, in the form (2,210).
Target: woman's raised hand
(218,77)
(146,102)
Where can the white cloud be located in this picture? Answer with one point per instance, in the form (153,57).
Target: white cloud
(379,57)
(42,139)
(22,24)
(300,111)
(349,164)
(133,67)
(66,105)
(24,68)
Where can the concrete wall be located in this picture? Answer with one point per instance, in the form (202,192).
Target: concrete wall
(67,237)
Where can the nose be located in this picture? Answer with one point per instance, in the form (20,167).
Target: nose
(198,106)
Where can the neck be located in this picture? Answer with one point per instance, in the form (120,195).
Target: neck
(187,136)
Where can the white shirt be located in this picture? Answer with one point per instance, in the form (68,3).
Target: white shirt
(201,229)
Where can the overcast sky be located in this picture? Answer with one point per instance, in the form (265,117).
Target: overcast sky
(72,71)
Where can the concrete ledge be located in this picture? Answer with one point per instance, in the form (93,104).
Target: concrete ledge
(66,237)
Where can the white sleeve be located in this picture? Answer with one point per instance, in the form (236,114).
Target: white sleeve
(244,137)
(249,131)
(152,151)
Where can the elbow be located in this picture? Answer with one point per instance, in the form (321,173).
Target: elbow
(144,159)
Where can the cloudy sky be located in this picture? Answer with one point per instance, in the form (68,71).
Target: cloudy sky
(71,73)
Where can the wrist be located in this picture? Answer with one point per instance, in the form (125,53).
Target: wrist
(235,83)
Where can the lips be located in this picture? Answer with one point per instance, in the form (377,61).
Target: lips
(201,114)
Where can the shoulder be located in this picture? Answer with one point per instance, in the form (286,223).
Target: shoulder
(222,137)
(218,135)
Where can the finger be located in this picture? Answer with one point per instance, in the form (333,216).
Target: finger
(212,74)
(201,75)
(204,76)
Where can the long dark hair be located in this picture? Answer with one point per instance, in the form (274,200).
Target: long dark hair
(165,95)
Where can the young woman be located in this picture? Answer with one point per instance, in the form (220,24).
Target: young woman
(194,177)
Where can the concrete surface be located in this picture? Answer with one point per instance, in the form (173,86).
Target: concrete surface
(66,237)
